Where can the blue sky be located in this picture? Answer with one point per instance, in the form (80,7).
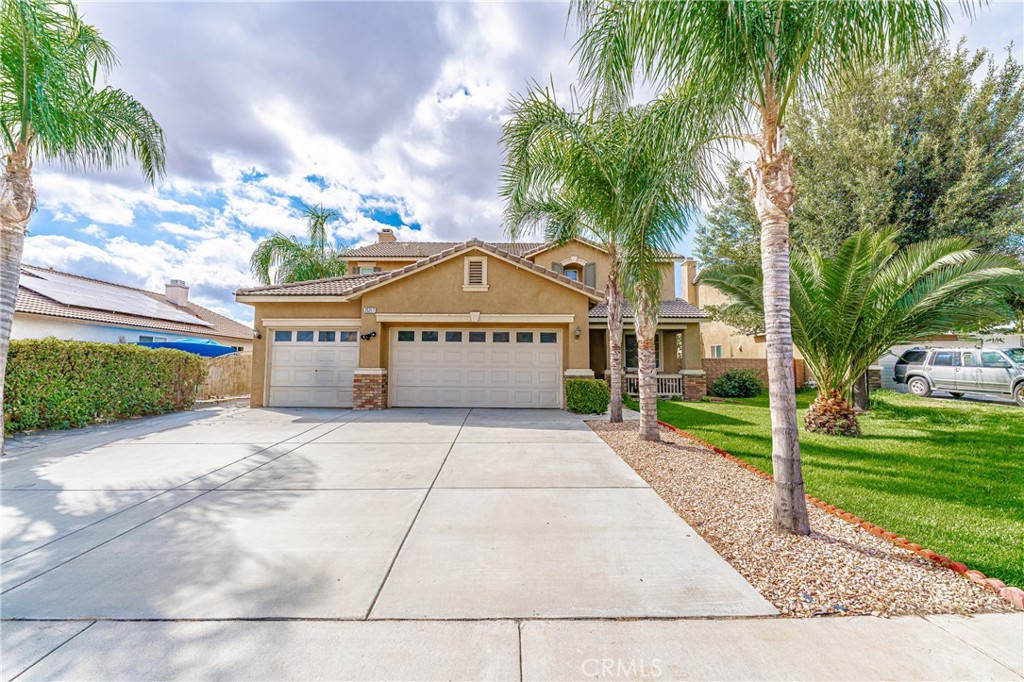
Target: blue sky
(387,112)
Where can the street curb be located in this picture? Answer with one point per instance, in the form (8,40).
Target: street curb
(1014,595)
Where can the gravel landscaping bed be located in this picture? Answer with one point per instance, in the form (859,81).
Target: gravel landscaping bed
(839,569)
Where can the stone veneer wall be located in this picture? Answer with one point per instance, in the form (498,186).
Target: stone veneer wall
(694,387)
(370,391)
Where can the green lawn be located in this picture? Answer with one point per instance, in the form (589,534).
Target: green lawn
(948,475)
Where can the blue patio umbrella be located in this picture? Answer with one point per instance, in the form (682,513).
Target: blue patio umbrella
(202,347)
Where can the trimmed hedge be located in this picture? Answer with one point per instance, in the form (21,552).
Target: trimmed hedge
(54,384)
(738,383)
(587,396)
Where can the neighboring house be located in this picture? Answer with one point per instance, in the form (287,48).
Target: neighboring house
(66,306)
(447,324)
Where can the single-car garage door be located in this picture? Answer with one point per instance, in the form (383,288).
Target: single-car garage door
(475,368)
(312,367)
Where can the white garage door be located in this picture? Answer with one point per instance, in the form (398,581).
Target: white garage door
(312,368)
(475,368)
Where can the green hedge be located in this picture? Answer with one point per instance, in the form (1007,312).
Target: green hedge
(587,396)
(53,384)
(738,383)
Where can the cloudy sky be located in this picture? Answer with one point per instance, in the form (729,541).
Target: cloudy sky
(388,112)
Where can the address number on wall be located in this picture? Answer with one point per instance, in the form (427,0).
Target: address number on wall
(370,310)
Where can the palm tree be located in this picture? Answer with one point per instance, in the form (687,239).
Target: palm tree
(623,179)
(52,108)
(849,310)
(283,259)
(746,60)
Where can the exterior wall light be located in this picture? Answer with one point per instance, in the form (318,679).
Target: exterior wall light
(578,332)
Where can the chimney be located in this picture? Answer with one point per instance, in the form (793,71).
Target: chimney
(176,292)
(386,235)
(691,290)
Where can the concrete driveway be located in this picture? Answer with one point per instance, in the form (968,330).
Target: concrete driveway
(402,514)
(407,544)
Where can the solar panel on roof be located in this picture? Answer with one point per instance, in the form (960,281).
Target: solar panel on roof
(96,296)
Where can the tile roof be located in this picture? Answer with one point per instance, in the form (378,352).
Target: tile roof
(419,250)
(33,303)
(670,308)
(354,284)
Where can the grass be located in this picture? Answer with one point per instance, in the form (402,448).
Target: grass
(948,475)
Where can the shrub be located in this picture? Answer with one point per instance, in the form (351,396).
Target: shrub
(587,396)
(61,384)
(738,383)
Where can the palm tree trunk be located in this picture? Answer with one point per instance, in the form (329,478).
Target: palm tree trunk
(613,295)
(17,200)
(861,392)
(774,195)
(645,317)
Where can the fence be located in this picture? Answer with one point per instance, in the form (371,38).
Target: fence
(716,367)
(668,384)
(227,376)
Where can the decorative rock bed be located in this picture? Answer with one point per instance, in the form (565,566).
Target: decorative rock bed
(846,566)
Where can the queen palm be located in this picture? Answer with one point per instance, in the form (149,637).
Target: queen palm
(748,60)
(53,108)
(849,310)
(281,259)
(622,178)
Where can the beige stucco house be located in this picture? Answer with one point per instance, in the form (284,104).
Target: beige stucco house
(470,324)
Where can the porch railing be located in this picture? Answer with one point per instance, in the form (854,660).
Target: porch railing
(668,384)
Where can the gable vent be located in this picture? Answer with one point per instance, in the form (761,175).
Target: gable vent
(476,273)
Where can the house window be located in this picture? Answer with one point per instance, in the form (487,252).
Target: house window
(367,270)
(475,278)
(281,336)
(152,339)
(430,337)
(453,337)
(573,271)
(632,352)
(304,336)
(549,337)
(407,336)
(717,351)
(477,337)
(499,337)
(524,337)
(347,337)
(326,337)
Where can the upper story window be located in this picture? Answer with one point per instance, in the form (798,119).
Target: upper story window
(367,270)
(475,274)
(577,270)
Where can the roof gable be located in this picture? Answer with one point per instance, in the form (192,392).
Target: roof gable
(355,285)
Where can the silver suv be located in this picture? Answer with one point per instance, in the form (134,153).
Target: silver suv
(988,371)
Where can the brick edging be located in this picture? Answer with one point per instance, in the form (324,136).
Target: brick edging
(1014,595)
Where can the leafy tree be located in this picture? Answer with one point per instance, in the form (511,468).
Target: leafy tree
(53,108)
(872,295)
(932,148)
(745,62)
(625,178)
(282,259)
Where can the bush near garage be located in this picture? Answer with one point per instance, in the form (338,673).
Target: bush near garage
(54,384)
(738,383)
(587,396)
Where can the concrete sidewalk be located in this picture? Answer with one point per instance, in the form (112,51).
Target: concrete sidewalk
(988,647)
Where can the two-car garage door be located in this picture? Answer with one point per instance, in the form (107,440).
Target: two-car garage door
(475,368)
(312,368)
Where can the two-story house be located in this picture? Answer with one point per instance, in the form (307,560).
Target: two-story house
(470,324)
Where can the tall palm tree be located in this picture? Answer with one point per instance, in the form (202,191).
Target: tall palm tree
(747,60)
(53,108)
(849,310)
(624,178)
(281,259)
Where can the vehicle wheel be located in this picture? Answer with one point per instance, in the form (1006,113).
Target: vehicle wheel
(1018,394)
(919,387)
(956,395)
